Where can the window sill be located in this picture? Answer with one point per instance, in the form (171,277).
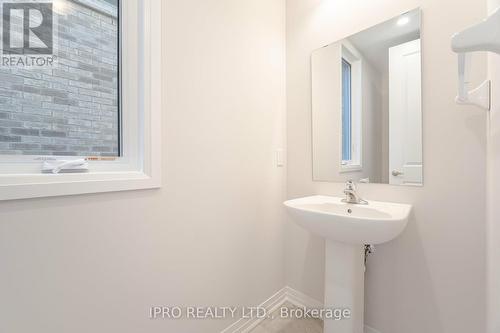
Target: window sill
(14,187)
(351,168)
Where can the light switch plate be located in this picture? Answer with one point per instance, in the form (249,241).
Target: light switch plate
(280,158)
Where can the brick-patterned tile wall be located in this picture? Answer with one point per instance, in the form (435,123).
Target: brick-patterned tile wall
(71,108)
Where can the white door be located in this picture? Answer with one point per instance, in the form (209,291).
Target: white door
(405,114)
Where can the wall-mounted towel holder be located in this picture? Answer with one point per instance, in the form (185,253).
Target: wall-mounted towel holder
(484,36)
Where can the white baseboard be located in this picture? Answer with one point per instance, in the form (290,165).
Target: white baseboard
(286,294)
(273,303)
(368,329)
(300,299)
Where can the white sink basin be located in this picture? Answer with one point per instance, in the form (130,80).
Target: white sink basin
(330,218)
(347,228)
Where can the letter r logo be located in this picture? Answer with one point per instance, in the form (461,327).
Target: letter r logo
(27,28)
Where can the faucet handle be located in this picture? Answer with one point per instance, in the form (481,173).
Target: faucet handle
(350,185)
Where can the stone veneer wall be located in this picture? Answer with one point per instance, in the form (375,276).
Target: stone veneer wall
(71,108)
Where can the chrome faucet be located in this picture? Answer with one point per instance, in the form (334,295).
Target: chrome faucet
(352,196)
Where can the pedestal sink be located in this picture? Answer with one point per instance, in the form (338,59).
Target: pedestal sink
(347,229)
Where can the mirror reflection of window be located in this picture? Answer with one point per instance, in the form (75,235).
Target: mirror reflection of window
(352,110)
(346,113)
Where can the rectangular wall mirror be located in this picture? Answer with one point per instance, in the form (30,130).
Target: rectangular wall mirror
(367,105)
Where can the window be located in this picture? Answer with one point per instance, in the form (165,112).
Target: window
(346,112)
(69,106)
(351,109)
(86,85)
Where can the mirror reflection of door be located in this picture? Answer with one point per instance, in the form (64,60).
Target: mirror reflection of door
(405,114)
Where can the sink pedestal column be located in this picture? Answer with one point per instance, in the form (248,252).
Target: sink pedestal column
(344,286)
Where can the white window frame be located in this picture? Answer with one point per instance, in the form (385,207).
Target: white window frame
(352,56)
(139,167)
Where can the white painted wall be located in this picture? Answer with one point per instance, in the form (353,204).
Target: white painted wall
(372,124)
(493,230)
(432,278)
(213,235)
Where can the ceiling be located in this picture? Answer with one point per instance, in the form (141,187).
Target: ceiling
(374,42)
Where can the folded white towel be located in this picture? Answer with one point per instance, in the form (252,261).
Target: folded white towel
(57,166)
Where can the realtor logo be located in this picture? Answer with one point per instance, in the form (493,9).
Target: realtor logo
(27,28)
(28,33)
